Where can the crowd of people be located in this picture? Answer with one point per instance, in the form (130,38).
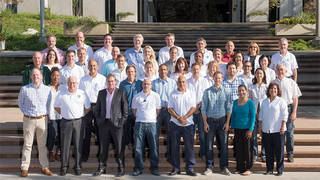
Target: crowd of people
(125,100)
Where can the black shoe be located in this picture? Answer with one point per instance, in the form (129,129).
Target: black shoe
(136,173)
(268,173)
(191,173)
(63,172)
(100,171)
(120,172)
(263,159)
(173,173)
(155,172)
(278,174)
(77,172)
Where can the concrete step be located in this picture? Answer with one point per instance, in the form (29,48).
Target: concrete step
(10,80)
(13,165)
(9,103)
(9,95)
(10,88)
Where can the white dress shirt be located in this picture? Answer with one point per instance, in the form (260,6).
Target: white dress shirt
(146,106)
(289,60)
(247,80)
(258,94)
(55,65)
(164,55)
(102,55)
(120,75)
(209,80)
(181,103)
(256,61)
(289,89)
(175,76)
(207,57)
(92,86)
(53,114)
(223,69)
(88,49)
(198,87)
(72,105)
(66,72)
(270,75)
(272,114)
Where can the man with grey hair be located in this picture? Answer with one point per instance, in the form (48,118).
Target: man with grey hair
(287,58)
(135,55)
(228,55)
(80,43)
(201,46)
(33,102)
(72,104)
(290,93)
(51,44)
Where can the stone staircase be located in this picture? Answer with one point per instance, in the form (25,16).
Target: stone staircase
(216,35)
(307,151)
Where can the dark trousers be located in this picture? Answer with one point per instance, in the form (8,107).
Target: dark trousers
(89,126)
(127,137)
(108,133)
(164,119)
(71,132)
(53,138)
(255,142)
(289,133)
(274,145)
(216,130)
(188,139)
(244,154)
(198,124)
(144,131)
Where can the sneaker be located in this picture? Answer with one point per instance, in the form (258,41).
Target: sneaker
(207,171)
(226,172)
(290,159)
(254,158)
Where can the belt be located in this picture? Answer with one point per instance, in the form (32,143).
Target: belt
(217,119)
(108,119)
(38,117)
(71,119)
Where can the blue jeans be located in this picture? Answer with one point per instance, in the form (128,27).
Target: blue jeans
(198,123)
(53,137)
(188,140)
(216,129)
(148,130)
(164,119)
(255,142)
(290,134)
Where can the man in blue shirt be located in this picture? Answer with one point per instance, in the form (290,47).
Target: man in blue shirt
(216,113)
(164,86)
(231,81)
(135,55)
(111,64)
(132,87)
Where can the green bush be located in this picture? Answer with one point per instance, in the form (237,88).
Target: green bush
(301,45)
(87,21)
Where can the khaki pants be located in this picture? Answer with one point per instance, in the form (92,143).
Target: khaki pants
(30,127)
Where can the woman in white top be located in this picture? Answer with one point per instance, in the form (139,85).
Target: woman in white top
(52,60)
(217,54)
(253,55)
(257,93)
(181,69)
(264,62)
(238,59)
(273,117)
(149,69)
(212,68)
(53,138)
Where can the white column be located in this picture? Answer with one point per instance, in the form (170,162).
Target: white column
(96,8)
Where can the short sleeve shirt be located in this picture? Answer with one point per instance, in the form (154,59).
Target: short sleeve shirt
(146,106)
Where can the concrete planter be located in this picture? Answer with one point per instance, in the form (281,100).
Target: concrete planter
(100,29)
(2,45)
(260,18)
(295,29)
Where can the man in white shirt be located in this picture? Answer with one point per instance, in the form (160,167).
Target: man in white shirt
(146,107)
(171,63)
(198,85)
(91,84)
(72,104)
(164,51)
(83,60)
(247,76)
(120,72)
(284,56)
(80,43)
(104,53)
(181,106)
(207,55)
(291,93)
(70,69)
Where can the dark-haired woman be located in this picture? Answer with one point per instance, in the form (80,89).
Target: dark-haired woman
(181,69)
(52,60)
(264,62)
(273,116)
(243,121)
(257,93)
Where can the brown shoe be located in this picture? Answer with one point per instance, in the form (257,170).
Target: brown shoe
(46,171)
(51,157)
(58,155)
(24,173)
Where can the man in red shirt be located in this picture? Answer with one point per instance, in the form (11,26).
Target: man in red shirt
(228,55)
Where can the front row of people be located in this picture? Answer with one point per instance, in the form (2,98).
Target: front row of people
(112,110)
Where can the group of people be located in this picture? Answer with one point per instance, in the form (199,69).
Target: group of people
(125,99)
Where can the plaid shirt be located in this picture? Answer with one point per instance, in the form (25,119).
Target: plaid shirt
(232,86)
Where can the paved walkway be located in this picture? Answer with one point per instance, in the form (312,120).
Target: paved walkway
(259,175)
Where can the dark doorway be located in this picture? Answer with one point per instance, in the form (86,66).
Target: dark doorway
(193,10)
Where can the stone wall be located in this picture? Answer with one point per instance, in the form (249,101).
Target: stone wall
(95,8)
(128,6)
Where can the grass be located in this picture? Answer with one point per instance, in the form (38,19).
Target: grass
(14,24)
(302,45)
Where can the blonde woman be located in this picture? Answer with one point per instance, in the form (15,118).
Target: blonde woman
(212,68)
(218,55)
(148,55)
(253,55)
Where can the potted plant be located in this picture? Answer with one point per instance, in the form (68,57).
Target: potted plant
(2,39)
